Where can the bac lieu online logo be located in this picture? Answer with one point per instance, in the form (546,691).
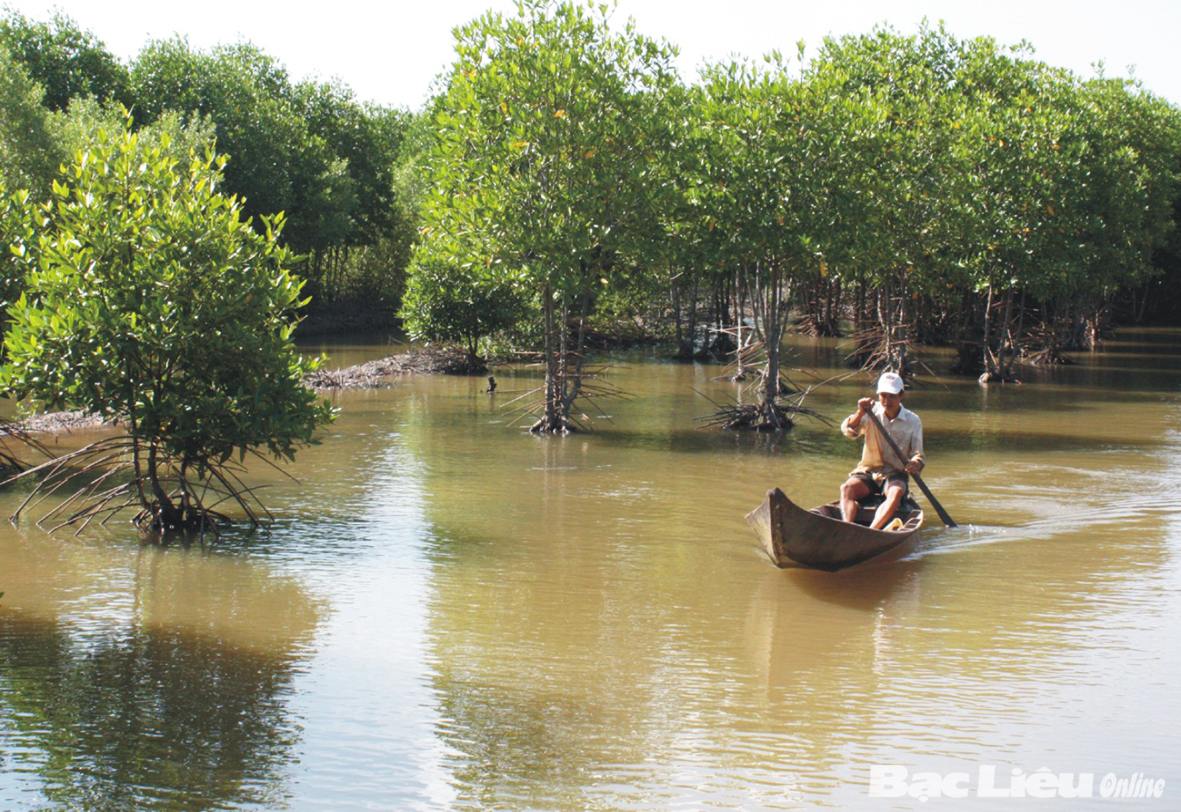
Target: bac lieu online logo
(991,781)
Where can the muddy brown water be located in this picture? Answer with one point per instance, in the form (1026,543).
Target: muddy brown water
(453,614)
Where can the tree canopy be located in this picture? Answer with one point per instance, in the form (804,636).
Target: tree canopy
(904,187)
(152,301)
(65,60)
(541,163)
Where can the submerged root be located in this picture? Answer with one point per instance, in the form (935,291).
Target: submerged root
(558,424)
(156,520)
(1047,356)
(997,377)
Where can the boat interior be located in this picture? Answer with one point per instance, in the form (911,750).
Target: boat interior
(869,506)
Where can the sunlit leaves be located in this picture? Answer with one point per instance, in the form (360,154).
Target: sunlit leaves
(152,301)
(542,151)
(66,61)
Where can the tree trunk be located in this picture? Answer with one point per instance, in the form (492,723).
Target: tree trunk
(887,352)
(987,359)
(832,317)
(1019,332)
(721,304)
(998,363)
(774,322)
(563,326)
(859,308)
(1094,335)
(693,317)
(167,516)
(550,419)
(572,381)
(678,327)
(1007,342)
(740,346)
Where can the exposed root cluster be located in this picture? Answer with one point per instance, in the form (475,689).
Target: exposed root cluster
(812,325)
(760,415)
(99,481)
(875,348)
(874,351)
(1044,346)
(756,416)
(587,384)
(745,349)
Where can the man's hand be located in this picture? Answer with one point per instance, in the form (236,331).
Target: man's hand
(913,467)
(864,405)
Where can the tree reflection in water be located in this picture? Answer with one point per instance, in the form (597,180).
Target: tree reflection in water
(176,706)
(147,716)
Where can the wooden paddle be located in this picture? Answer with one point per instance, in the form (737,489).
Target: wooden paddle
(943,514)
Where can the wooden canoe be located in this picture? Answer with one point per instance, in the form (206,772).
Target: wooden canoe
(819,539)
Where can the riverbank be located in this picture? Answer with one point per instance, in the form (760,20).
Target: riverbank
(382,371)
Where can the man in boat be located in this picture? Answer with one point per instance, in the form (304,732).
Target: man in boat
(880,471)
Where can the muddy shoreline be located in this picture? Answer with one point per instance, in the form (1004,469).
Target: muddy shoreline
(375,374)
(383,371)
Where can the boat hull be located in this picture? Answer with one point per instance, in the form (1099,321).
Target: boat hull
(819,539)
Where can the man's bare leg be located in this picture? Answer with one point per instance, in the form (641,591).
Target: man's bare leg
(886,509)
(851,491)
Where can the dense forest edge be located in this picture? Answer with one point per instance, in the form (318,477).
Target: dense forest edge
(563,191)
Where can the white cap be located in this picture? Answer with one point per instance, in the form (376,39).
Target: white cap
(890,382)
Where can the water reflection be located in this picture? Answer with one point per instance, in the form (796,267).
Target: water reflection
(866,588)
(587,622)
(170,690)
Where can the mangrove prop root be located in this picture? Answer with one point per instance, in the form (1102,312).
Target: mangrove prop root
(99,481)
(578,385)
(761,416)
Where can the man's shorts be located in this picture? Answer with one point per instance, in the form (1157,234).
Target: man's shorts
(877,482)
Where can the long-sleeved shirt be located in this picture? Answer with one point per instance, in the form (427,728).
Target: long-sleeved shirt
(877,457)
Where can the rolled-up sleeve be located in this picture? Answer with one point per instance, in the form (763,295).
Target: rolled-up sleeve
(916,442)
(853,433)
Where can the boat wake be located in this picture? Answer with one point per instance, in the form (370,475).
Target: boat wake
(1121,510)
